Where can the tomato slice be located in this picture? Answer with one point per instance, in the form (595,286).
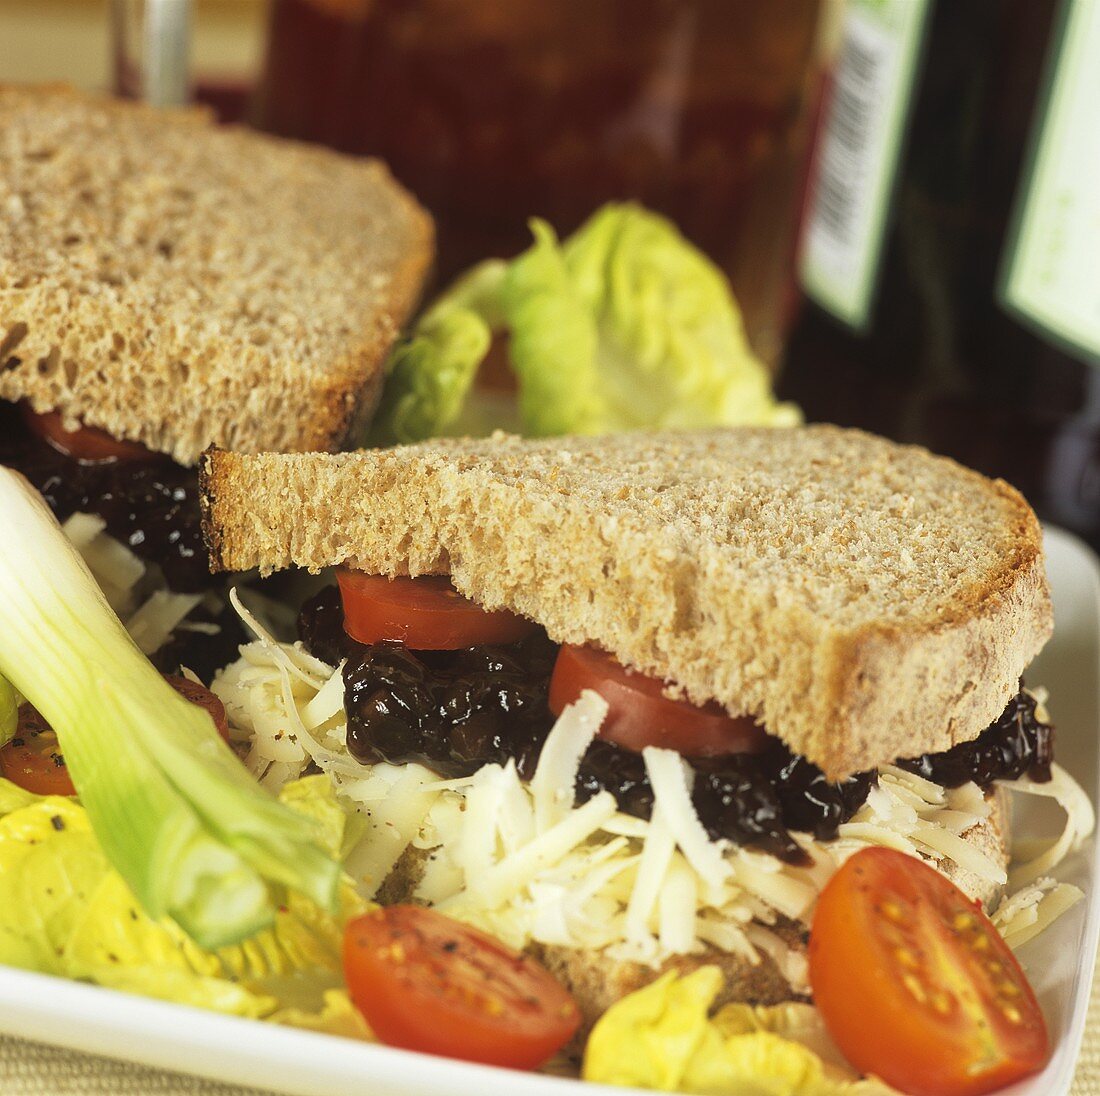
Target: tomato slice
(916,985)
(87,443)
(425,613)
(640,715)
(425,982)
(33,760)
(202,697)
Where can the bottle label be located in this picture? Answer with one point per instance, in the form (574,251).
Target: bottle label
(1051,268)
(858,153)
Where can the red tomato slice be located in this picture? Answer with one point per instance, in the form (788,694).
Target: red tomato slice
(640,715)
(425,982)
(87,443)
(425,613)
(916,985)
(33,760)
(202,697)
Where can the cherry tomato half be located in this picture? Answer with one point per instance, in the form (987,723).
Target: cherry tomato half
(640,715)
(201,697)
(87,443)
(425,982)
(33,760)
(916,985)
(425,613)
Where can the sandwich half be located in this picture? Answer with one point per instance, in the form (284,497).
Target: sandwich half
(166,284)
(659,687)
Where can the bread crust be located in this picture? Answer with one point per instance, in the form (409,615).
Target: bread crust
(180,283)
(865,600)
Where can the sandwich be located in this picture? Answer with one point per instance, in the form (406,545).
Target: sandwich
(167,284)
(630,703)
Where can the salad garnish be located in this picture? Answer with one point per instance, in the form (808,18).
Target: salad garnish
(624,325)
(172,807)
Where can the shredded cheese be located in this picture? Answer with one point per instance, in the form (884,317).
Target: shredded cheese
(523,861)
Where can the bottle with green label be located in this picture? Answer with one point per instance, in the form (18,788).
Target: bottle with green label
(950,257)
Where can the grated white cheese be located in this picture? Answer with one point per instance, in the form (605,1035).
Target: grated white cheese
(136,592)
(1022,916)
(522,861)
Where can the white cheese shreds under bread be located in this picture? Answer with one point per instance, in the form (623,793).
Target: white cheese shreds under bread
(524,862)
(1039,859)
(153,624)
(1022,916)
(556,775)
(136,592)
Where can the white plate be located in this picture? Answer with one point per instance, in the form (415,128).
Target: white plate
(248,1052)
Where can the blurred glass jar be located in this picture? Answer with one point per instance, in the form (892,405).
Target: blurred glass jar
(492,111)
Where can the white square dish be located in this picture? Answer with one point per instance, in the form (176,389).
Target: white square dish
(1060,963)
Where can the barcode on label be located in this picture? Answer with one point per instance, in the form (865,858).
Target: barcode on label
(850,126)
(857,155)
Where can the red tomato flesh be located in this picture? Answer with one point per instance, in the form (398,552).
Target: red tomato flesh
(425,614)
(916,985)
(33,759)
(87,443)
(427,983)
(640,715)
(201,697)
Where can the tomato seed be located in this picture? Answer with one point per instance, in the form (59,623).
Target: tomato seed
(912,984)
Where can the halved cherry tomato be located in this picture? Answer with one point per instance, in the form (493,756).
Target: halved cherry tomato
(640,715)
(33,760)
(425,613)
(425,982)
(87,443)
(202,697)
(916,985)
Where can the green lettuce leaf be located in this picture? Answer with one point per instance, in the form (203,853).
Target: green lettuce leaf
(430,374)
(623,326)
(64,910)
(627,326)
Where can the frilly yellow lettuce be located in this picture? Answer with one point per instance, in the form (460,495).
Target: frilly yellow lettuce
(663,1037)
(64,910)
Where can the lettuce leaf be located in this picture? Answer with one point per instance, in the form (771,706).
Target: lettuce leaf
(623,326)
(663,1037)
(430,374)
(627,326)
(64,910)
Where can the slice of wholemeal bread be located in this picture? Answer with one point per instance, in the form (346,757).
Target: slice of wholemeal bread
(866,600)
(183,284)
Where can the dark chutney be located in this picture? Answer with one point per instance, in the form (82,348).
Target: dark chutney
(455,711)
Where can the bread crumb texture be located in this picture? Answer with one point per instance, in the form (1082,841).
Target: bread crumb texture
(182,284)
(866,600)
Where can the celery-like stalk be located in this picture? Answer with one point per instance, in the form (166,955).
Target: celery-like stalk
(9,711)
(175,811)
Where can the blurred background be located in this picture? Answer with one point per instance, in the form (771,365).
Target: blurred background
(905,194)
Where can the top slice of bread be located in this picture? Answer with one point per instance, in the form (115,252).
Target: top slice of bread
(183,284)
(865,600)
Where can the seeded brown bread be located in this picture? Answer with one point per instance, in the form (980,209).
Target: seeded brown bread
(597,982)
(183,284)
(865,600)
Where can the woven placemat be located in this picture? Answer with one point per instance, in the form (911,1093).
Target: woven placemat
(31,1069)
